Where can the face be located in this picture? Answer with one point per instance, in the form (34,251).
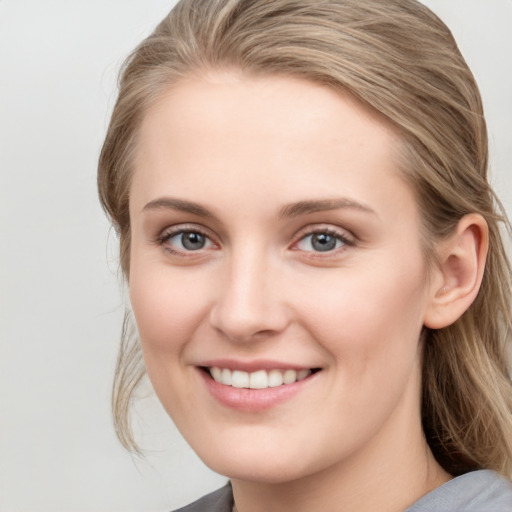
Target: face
(276,275)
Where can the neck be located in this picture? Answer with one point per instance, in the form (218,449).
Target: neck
(389,474)
(385,489)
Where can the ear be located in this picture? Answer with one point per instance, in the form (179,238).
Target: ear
(462,259)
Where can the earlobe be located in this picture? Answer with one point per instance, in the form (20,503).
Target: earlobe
(461,267)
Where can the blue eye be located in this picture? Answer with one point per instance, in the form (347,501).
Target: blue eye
(321,242)
(188,241)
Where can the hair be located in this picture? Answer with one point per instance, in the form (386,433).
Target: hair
(400,59)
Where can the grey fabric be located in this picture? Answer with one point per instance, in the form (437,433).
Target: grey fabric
(479,491)
(218,501)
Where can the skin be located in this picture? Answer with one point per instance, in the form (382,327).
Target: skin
(245,148)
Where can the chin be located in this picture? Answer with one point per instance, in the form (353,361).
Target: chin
(258,466)
(257,473)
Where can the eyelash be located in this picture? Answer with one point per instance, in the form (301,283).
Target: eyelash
(168,234)
(346,241)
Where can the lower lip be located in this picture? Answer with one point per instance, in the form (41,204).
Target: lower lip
(253,400)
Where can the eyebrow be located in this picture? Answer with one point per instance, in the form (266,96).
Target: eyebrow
(289,210)
(181,205)
(322,205)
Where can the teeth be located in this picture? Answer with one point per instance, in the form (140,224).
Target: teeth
(275,378)
(302,374)
(216,374)
(260,379)
(289,377)
(239,379)
(225,377)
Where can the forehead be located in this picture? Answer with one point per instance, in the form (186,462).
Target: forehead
(230,102)
(261,136)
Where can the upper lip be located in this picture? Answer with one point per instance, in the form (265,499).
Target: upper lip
(254,365)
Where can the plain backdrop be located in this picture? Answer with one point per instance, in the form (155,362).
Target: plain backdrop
(61,303)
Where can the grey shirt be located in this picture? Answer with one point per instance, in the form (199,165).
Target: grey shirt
(478,491)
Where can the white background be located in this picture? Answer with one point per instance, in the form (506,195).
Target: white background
(60,300)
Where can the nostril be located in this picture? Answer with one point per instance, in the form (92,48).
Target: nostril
(246,324)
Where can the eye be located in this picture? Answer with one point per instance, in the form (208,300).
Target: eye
(185,241)
(323,241)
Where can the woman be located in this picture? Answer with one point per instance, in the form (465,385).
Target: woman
(314,258)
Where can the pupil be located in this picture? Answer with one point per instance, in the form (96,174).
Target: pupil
(323,242)
(193,241)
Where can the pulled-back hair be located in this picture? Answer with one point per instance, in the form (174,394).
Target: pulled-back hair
(401,60)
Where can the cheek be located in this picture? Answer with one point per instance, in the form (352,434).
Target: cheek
(369,314)
(168,307)
(371,328)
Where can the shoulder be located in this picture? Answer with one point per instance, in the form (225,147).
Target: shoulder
(218,501)
(478,491)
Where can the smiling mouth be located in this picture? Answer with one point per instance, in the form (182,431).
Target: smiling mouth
(260,379)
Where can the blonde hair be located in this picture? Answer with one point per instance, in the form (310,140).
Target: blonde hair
(399,58)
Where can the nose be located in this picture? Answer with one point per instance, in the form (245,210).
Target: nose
(249,303)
